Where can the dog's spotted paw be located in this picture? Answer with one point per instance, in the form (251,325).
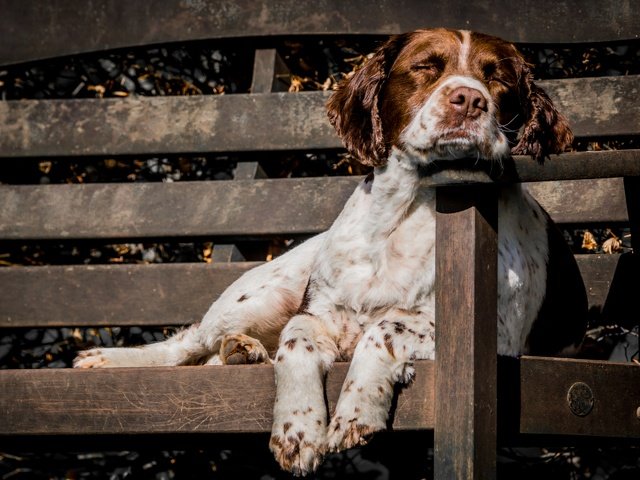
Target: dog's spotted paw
(299,443)
(295,453)
(93,358)
(344,434)
(241,349)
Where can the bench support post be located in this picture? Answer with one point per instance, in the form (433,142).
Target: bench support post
(466,338)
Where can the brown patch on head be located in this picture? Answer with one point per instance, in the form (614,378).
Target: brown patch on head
(290,344)
(520,101)
(354,108)
(243,298)
(309,348)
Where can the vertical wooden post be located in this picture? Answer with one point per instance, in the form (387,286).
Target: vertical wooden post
(466,338)
(268,67)
(632,194)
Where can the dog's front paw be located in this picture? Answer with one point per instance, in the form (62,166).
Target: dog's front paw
(299,445)
(94,358)
(348,433)
(242,349)
(361,411)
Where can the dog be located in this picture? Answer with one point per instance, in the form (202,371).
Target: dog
(363,291)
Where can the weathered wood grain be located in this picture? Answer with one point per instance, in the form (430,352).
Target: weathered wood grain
(466,333)
(545,383)
(239,208)
(598,272)
(240,398)
(163,294)
(221,123)
(167,294)
(229,399)
(582,201)
(148,125)
(57,28)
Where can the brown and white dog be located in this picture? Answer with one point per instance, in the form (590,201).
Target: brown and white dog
(364,290)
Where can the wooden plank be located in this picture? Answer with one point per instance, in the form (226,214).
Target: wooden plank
(110,295)
(544,391)
(597,106)
(232,209)
(203,399)
(243,207)
(466,331)
(582,201)
(57,28)
(241,122)
(597,272)
(575,166)
(216,400)
(163,294)
(632,197)
(147,125)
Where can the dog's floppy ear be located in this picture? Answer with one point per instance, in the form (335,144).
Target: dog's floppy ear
(354,108)
(545,130)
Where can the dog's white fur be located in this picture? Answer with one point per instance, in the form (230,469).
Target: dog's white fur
(366,287)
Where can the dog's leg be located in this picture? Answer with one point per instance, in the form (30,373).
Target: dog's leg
(381,359)
(298,436)
(182,348)
(259,303)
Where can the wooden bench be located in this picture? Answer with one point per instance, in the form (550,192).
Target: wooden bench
(463,397)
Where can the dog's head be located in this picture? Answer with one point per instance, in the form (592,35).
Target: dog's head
(445,94)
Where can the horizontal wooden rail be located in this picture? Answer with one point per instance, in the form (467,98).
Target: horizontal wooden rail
(240,208)
(222,123)
(228,399)
(605,397)
(57,28)
(164,294)
(112,295)
(240,398)
(243,207)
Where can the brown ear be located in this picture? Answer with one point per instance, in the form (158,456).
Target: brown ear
(354,108)
(545,130)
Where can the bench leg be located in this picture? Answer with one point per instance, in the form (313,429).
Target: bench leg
(466,314)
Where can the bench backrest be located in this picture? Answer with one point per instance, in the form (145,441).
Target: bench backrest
(576,188)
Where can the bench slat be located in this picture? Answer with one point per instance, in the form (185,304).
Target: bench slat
(240,208)
(63,29)
(230,399)
(545,383)
(113,295)
(164,294)
(216,399)
(243,122)
(243,207)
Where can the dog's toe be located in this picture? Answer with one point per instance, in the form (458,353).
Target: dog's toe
(241,349)
(90,359)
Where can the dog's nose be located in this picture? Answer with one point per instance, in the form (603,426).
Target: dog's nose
(468,101)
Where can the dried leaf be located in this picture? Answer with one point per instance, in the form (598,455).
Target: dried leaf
(45,167)
(589,241)
(612,245)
